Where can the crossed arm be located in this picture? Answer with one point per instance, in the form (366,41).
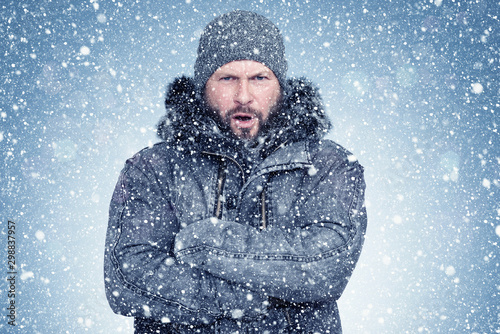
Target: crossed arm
(311,262)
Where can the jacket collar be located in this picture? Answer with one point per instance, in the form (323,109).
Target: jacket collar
(287,156)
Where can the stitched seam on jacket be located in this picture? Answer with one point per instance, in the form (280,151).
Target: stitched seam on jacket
(268,257)
(354,200)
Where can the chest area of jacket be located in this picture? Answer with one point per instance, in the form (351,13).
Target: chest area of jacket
(204,187)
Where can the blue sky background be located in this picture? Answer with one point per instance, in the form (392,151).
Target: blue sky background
(411,87)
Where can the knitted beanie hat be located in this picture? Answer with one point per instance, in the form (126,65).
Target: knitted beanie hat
(239,35)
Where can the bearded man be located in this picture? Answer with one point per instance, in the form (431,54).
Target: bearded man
(243,219)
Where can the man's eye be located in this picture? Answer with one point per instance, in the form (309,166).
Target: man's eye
(226,78)
(259,78)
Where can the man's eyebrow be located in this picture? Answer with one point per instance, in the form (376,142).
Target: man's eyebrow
(226,73)
(230,73)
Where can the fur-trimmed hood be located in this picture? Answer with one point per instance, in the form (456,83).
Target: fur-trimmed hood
(188,123)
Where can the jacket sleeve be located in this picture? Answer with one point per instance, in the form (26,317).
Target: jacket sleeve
(143,278)
(308,263)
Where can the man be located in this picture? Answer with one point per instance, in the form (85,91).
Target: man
(243,219)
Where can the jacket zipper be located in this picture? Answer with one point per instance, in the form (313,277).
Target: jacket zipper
(288,318)
(263,208)
(220,185)
(229,158)
(221,179)
(218,211)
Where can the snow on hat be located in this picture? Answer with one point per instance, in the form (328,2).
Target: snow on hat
(239,35)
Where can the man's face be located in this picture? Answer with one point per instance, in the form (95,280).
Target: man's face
(243,93)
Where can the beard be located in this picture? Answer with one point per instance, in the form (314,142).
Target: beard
(244,133)
(265,125)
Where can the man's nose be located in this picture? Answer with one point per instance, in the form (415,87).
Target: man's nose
(243,94)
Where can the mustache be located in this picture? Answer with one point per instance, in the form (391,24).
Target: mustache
(245,110)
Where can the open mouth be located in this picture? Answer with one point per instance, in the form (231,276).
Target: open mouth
(243,118)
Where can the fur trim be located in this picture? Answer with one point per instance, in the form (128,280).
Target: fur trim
(186,120)
(303,116)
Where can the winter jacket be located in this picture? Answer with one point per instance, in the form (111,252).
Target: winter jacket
(207,235)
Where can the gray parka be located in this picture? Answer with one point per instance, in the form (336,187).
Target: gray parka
(207,235)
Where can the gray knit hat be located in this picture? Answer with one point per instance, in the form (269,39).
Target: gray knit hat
(239,35)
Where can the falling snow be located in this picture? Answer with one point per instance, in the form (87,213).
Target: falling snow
(411,87)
